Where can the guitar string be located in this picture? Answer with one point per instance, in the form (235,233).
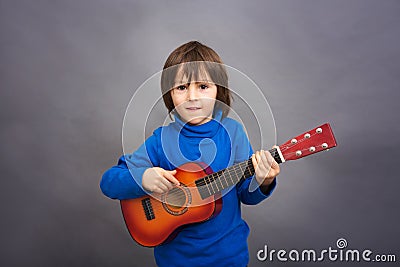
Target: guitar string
(228,171)
(213,181)
(218,177)
(177,197)
(179,193)
(159,206)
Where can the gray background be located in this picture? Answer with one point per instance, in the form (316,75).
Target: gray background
(69,68)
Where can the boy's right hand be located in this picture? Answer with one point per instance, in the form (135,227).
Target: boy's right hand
(158,180)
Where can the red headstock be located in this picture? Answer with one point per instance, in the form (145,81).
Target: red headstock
(311,142)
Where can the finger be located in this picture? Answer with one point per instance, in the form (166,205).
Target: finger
(254,161)
(276,168)
(169,175)
(260,167)
(272,161)
(160,191)
(163,185)
(274,164)
(262,160)
(263,165)
(167,183)
(268,159)
(256,168)
(258,157)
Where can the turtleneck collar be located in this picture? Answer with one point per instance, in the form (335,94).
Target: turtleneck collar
(205,130)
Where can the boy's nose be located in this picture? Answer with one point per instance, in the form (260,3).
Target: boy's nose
(192,93)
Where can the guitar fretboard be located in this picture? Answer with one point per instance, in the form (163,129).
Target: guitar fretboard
(218,181)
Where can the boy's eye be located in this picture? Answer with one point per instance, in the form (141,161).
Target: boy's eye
(181,87)
(203,86)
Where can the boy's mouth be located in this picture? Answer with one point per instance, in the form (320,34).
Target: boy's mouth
(193,108)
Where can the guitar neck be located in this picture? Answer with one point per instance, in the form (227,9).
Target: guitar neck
(313,141)
(218,181)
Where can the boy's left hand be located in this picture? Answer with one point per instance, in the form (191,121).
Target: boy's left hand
(265,166)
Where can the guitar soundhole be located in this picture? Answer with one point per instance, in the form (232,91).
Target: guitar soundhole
(177,200)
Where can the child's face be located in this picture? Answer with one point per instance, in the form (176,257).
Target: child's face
(195,101)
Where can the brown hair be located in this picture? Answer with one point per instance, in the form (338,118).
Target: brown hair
(194,59)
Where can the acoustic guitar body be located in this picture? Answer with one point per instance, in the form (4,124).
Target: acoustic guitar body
(152,221)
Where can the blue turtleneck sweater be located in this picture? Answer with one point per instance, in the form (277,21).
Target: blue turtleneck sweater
(219,143)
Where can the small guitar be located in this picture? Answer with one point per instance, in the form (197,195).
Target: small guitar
(152,221)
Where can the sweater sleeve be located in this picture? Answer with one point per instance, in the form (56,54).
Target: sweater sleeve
(244,152)
(124,181)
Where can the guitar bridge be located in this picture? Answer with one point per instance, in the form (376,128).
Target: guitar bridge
(148,209)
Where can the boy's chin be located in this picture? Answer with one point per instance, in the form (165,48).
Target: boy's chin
(198,120)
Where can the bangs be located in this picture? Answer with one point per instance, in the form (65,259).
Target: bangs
(194,72)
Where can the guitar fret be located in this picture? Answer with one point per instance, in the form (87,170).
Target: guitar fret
(207,183)
(226,181)
(231,181)
(219,180)
(238,173)
(204,189)
(250,168)
(216,180)
(229,176)
(248,171)
(215,183)
(211,179)
(241,171)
